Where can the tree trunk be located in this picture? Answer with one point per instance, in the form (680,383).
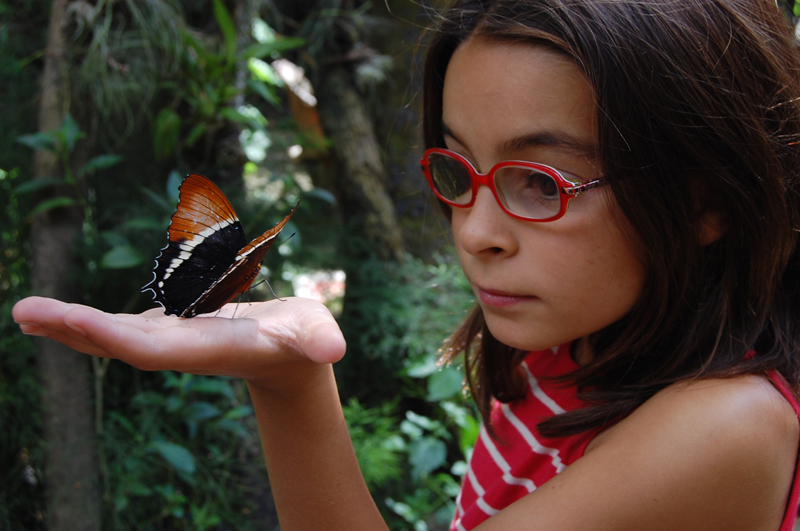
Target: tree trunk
(71,467)
(360,176)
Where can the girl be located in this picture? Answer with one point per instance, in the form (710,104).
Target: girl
(634,355)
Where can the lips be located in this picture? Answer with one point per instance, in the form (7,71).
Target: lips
(501,299)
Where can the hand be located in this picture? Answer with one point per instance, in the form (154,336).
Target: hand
(270,344)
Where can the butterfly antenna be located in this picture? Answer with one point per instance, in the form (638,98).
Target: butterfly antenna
(288,238)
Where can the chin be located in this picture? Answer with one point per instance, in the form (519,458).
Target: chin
(525,341)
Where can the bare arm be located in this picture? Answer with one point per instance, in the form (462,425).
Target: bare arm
(284,349)
(707,455)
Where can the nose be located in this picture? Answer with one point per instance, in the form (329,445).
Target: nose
(484,229)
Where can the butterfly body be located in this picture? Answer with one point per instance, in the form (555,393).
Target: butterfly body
(207,261)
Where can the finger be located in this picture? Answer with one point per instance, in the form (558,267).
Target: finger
(200,345)
(320,338)
(70,341)
(39,311)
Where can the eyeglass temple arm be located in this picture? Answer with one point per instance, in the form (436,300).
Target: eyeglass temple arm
(575,191)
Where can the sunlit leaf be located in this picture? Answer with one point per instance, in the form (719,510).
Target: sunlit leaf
(267,49)
(262,71)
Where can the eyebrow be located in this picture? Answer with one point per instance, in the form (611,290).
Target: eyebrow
(552,139)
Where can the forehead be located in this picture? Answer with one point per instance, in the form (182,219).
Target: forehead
(495,92)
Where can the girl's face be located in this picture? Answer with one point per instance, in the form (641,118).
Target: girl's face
(539,284)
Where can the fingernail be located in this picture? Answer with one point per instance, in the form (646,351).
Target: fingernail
(31,330)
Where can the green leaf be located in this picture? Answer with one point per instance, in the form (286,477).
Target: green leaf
(174,180)
(214,386)
(444,383)
(239,412)
(69,133)
(235,116)
(50,204)
(36,184)
(114,238)
(228,30)
(122,257)
(138,489)
(46,141)
(426,455)
(267,49)
(144,224)
(201,411)
(264,90)
(262,71)
(321,194)
(100,162)
(234,427)
(165,136)
(157,199)
(195,134)
(176,455)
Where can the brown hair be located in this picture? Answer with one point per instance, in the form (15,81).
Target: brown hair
(692,95)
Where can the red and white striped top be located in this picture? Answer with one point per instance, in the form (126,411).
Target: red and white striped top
(519,460)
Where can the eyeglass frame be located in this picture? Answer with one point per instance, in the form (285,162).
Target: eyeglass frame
(568,189)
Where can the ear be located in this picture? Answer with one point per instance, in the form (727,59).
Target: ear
(712,219)
(712,225)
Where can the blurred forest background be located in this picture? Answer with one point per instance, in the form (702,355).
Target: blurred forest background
(104,106)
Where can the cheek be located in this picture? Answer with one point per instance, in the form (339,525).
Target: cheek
(607,277)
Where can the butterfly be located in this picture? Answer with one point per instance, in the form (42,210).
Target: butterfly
(207,261)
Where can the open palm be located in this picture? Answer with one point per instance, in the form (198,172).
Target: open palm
(263,342)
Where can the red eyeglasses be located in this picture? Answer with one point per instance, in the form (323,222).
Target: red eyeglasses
(524,190)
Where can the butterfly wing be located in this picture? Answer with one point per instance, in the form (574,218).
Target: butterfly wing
(205,237)
(239,276)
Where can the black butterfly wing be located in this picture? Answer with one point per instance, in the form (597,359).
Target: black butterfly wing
(205,237)
(239,276)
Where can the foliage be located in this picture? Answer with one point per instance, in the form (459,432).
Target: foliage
(408,310)
(22,32)
(207,86)
(120,50)
(21,452)
(174,455)
(178,451)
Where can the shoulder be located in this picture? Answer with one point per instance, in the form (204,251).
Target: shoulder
(743,411)
(732,444)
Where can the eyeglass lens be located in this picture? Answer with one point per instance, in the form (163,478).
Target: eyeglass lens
(524,191)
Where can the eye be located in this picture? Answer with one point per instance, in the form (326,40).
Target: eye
(542,184)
